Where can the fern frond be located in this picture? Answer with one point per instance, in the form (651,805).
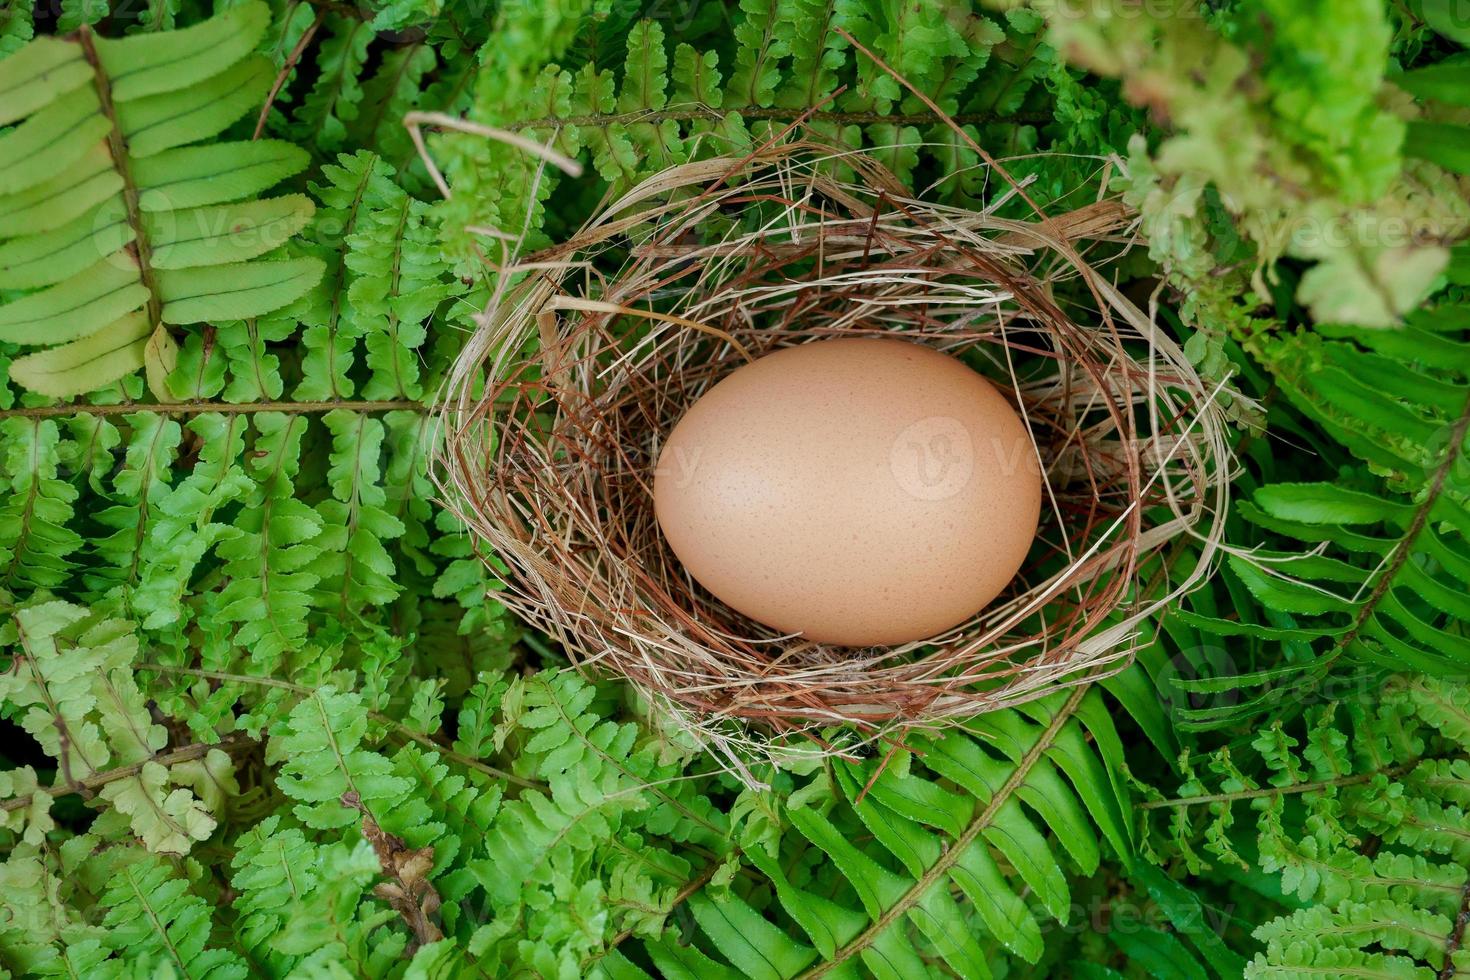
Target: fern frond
(305,908)
(152,917)
(991,819)
(332,104)
(320,744)
(138,487)
(183,525)
(353,187)
(612,792)
(35,536)
(399,281)
(268,551)
(354,566)
(1391,775)
(1379,578)
(142,211)
(73,680)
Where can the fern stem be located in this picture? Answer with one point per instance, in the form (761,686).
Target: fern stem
(399,728)
(1405,545)
(160,929)
(1457,936)
(284,74)
(774,114)
(89,785)
(1392,772)
(223,408)
(690,887)
(64,739)
(941,867)
(117,146)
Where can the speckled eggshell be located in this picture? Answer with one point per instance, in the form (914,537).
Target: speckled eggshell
(855,491)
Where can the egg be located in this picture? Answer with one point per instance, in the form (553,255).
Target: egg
(857,491)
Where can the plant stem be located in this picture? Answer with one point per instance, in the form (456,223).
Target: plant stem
(1457,937)
(690,887)
(399,729)
(285,73)
(955,850)
(223,408)
(1391,772)
(778,114)
(117,146)
(90,784)
(1405,546)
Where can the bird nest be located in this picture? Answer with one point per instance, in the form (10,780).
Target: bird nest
(557,409)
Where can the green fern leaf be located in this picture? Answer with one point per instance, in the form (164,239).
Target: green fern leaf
(355,568)
(38,74)
(62,198)
(84,708)
(151,915)
(1020,808)
(231,292)
(321,746)
(1387,580)
(37,509)
(124,212)
(1359,771)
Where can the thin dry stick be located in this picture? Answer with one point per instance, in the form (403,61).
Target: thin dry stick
(94,782)
(597,306)
(415,121)
(1065,245)
(776,114)
(285,72)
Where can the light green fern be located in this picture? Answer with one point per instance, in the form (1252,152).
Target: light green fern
(73,689)
(116,221)
(1392,773)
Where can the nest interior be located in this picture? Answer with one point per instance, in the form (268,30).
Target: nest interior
(557,409)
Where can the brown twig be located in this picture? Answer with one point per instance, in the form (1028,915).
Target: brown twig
(1456,939)
(117,146)
(415,122)
(187,753)
(286,69)
(408,890)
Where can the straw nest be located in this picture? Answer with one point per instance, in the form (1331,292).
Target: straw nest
(556,411)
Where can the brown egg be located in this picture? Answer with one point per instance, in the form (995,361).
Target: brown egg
(856,491)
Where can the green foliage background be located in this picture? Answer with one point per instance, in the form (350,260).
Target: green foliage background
(263,717)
